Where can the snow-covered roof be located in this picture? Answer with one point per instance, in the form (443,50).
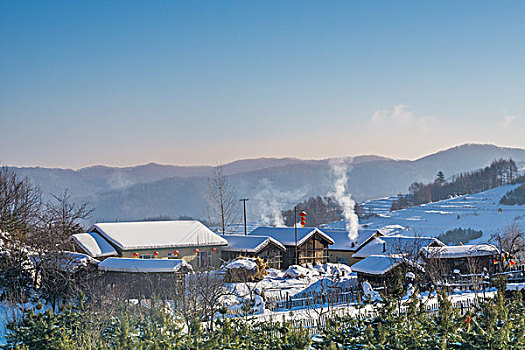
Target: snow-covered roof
(249,244)
(158,234)
(388,245)
(247,264)
(63,260)
(142,265)
(461,251)
(342,242)
(94,244)
(376,264)
(286,235)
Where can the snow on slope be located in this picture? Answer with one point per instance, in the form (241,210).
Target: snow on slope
(378,206)
(479,211)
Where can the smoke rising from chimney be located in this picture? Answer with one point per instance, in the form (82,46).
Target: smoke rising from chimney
(339,170)
(271,202)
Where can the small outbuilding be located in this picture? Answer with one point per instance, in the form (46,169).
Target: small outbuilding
(380,270)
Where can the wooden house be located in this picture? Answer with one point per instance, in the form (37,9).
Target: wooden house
(395,245)
(312,244)
(465,259)
(380,257)
(343,249)
(264,247)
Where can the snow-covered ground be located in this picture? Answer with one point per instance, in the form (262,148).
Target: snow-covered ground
(479,211)
(296,282)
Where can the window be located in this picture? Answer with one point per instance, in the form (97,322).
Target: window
(146,256)
(204,259)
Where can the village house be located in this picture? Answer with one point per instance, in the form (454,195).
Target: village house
(312,244)
(464,259)
(188,240)
(343,249)
(264,247)
(380,257)
(381,270)
(395,245)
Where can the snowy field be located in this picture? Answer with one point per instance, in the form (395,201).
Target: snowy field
(479,211)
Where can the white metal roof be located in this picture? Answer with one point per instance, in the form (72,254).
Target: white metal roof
(158,234)
(94,244)
(142,265)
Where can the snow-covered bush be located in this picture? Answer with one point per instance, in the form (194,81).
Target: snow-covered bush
(244,269)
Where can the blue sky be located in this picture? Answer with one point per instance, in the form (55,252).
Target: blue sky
(205,82)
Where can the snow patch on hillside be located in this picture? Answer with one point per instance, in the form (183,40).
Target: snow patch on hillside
(479,211)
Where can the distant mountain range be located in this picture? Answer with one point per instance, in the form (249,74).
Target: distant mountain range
(271,184)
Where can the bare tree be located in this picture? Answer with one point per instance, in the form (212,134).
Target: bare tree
(222,202)
(20,203)
(322,297)
(475,270)
(187,302)
(511,241)
(435,267)
(60,219)
(408,251)
(211,290)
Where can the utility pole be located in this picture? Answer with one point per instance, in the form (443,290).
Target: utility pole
(295,227)
(302,214)
(244,202)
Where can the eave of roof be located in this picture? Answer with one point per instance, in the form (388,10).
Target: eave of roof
(258,248)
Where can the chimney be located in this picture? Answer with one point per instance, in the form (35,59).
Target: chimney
(384,247)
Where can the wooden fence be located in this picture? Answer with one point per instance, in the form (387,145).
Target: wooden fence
(315,325)
(335,297)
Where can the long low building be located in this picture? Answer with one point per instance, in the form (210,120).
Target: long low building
(188,240)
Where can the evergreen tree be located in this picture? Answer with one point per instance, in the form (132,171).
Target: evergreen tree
(440,178)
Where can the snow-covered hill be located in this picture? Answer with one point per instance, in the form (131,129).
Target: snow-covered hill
(478,211)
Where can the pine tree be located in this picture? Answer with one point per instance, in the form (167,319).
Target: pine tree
(440,178)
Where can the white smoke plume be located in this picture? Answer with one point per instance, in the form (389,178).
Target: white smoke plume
(270,202)
(344,199)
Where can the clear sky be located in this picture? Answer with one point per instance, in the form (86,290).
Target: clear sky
(205,82)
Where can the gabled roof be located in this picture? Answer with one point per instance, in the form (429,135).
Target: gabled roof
(143,265)
(158,234)
(286,235)
(250,243)
(381,264)
(388,245)
(342,242)
(376,264)
(94,244)
(461,251)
